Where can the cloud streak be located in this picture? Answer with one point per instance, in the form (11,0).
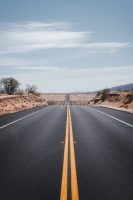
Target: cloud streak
(31,36)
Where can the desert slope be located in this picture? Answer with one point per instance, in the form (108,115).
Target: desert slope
(14,103)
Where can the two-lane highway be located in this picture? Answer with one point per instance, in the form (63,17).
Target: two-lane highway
(62,152)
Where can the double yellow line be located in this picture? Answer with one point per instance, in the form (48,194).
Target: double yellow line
(74,183)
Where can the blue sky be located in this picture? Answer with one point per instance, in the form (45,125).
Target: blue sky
(64,46)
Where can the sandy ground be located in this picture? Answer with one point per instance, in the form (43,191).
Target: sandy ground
(83,98)
(14,103)
(56,98)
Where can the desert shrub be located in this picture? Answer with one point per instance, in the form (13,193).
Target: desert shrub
(51,102)
(31,89)
(98,93)
(104,94)
(129,98)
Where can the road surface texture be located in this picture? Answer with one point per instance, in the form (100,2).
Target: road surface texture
(31,155)
(66,152)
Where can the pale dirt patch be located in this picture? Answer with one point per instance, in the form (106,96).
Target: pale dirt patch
(82,98)
(56,98)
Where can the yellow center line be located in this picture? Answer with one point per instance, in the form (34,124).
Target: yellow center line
(74,182)
(63,195)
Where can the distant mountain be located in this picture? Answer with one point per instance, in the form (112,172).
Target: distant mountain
(122,87)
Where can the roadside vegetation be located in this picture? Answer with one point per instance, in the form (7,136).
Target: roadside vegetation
(13,98)
(103,94)
(11,86)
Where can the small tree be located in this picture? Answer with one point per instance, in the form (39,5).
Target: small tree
(9,85)
(31,89)
(104,93)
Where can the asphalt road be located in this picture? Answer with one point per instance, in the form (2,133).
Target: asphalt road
(31,155)
(32,152)
(104,154)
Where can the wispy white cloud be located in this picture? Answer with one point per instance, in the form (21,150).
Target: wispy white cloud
(17,62)
(26,65)
(30,36)
(40,68)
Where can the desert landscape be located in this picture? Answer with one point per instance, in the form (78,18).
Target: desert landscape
(117,98)
(15,103)
(122,100)
(14,99)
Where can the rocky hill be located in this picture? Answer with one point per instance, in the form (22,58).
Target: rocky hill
(122,87)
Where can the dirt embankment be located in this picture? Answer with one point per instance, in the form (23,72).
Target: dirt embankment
(10,104)
(14,103)
(116,100)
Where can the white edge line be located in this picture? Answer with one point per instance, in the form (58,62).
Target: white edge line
(113,117)
(22,118)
